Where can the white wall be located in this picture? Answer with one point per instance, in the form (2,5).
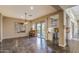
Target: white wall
(73,19)
(9,28)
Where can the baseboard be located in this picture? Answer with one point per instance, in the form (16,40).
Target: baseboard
(17,37)
(62,45)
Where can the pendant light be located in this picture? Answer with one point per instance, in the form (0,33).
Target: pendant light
(25,19)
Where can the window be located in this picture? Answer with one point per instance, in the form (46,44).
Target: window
(72,29)
(33,26)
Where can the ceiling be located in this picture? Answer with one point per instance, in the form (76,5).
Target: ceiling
(66,6)
(75,11)
(18,11)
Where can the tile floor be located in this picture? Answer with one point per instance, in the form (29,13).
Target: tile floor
(24,45)
(36,45)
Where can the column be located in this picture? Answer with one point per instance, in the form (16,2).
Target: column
(62,39)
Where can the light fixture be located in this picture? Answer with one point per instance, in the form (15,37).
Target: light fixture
(25,19)
(31,7)
(25,23)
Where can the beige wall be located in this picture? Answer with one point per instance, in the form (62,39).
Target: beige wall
(49,33)
(9,28)
(0,29)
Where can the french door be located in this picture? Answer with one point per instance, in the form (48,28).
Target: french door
(41,30)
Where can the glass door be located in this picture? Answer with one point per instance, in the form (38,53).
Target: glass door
(41,30)
(38,30)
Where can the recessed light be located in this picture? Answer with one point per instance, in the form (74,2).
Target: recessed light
(31,7)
